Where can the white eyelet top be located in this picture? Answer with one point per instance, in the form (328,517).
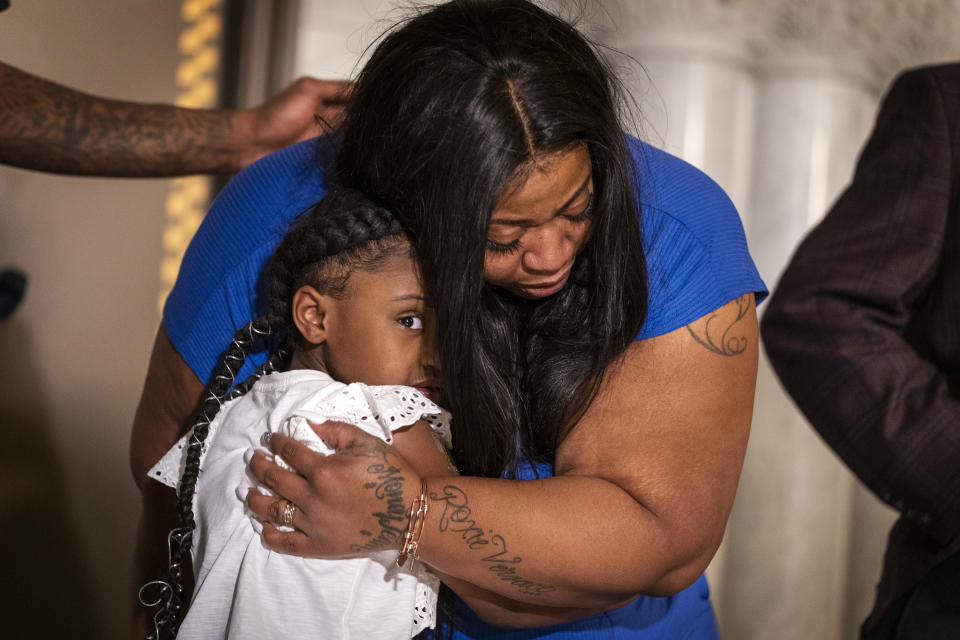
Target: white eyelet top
(244,590)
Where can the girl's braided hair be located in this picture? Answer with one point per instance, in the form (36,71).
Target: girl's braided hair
(344,232)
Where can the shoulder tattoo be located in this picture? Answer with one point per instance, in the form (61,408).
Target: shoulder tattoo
(721,331)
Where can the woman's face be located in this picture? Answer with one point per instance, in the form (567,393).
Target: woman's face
(540,224)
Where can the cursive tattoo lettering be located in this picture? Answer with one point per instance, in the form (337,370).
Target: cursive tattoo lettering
(457,518)
(387,486)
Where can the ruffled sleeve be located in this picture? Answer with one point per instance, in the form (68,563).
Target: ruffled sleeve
(378,410)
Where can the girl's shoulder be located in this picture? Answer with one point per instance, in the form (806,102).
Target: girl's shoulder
(379,410)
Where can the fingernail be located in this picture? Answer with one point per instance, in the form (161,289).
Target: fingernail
(249,454)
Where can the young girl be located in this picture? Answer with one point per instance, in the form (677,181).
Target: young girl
(346,297)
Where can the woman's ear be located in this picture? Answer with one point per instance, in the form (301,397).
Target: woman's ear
(309,310)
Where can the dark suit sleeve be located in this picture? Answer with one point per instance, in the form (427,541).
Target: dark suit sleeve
(844,330)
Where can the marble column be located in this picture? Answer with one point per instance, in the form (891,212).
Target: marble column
(691,87)
(789,538)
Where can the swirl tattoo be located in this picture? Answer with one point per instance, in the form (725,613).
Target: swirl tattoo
(717,334)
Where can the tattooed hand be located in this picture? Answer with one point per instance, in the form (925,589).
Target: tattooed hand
(349,503)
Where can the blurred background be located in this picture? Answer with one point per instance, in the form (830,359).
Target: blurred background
(772,98)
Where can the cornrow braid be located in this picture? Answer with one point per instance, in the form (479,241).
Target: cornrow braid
(345,230)
(343,233)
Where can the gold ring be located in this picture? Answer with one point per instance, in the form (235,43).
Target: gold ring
(286,518)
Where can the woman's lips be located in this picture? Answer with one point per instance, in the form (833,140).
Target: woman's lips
(545,289)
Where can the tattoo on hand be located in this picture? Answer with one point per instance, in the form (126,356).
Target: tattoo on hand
(719,333)
(456,518)
(387,485)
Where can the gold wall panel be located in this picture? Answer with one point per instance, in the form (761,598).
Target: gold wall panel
(197,78)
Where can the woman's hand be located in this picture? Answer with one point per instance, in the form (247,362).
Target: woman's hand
(352,502)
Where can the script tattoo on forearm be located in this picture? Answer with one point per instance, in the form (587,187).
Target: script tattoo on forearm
(719,333)
(49,127)
(457,518)
(387,485)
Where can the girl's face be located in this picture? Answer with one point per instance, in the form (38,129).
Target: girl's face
(539,226)
(381,331)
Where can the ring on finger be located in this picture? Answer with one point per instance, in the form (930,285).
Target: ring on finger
(286,516)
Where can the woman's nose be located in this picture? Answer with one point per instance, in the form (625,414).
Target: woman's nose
(549,250)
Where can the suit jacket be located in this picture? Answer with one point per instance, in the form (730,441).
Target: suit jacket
(864,327)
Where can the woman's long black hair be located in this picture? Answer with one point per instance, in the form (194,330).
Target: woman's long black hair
(450,106)
(345,232)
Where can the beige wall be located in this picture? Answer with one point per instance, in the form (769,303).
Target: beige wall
(73,356)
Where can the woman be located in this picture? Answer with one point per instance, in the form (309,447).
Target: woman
(608,373)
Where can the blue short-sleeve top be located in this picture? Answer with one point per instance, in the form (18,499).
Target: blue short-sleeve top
(697,257)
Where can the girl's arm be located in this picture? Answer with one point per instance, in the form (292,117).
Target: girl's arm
(645,483)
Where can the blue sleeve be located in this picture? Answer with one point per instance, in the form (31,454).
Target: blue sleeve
(696,251)
(219,289)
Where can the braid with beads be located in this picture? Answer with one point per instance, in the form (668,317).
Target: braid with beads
(345,232)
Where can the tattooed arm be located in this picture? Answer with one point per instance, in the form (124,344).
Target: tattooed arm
(645,482)
(644,486)
(49,127)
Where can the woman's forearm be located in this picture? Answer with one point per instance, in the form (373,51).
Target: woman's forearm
(561,542)
(500,611)
(575,540)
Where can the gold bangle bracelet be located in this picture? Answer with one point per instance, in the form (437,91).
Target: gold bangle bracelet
(411,538)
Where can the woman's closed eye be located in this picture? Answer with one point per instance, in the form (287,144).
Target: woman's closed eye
(503,247)
(514,245)
(411,322)
(584,215)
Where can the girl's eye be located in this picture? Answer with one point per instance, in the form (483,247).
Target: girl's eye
(411,322)
(503,248)
(584,215)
